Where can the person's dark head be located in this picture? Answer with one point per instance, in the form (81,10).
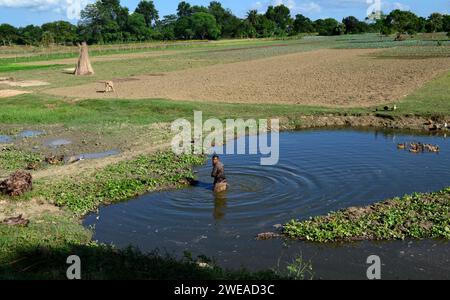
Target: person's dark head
(215,159)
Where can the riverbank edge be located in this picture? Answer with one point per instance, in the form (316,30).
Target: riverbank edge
(375,121)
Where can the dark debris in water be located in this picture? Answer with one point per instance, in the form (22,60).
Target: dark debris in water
(267,236)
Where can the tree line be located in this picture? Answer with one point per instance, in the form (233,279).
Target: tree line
(107,21)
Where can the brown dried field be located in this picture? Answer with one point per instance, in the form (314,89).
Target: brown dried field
(334,78)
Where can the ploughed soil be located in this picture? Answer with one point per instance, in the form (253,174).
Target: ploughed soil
(330,77)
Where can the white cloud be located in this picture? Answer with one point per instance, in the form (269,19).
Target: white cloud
(35,4)
(258,5)
(398,5)
(308,7)
(70,8)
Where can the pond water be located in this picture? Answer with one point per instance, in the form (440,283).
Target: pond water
(57,143)
(22,134)
(5,139)
(97,155)
(319,171)
(31,133)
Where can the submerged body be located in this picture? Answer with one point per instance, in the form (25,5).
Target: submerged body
(218,172)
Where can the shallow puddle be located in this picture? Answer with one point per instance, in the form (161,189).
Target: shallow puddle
(98,155)
(5,139)
(30,133)
(57,143)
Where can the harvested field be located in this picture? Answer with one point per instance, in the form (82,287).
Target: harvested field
(12,93)
(334,78)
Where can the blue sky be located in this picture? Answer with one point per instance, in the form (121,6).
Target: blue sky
(24,12)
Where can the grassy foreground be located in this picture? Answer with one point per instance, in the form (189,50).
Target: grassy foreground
(40,251)
(418,216)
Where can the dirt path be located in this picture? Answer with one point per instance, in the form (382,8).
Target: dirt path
(32,209)
(98,164)
(12,93)
(110,57)
(334,78)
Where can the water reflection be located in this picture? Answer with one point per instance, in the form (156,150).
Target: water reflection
(220,205)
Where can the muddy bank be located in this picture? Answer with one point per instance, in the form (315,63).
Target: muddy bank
(433,125)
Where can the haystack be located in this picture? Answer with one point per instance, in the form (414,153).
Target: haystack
(84,65)
(400,37)
(17,184)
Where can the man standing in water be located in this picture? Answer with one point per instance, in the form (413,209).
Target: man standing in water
(218,172)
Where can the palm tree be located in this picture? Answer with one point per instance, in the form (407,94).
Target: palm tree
(252,16)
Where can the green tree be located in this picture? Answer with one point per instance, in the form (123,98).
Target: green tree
(199,8)
(249,24)
(354,26)
(184,9)
(165,28)
(446,23)
(137,28)
(339,29)
(258,25)
(228,23)
(8,34)
(204,26)
(103,21)
(281,16)
(303,24)
(247,30)
(378,23)
(435,23)
(47,38)
(148,10)
(183,29)
(62,32)
(252,17)
(264,27)
(326,26)
(30,35)
(404,22)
